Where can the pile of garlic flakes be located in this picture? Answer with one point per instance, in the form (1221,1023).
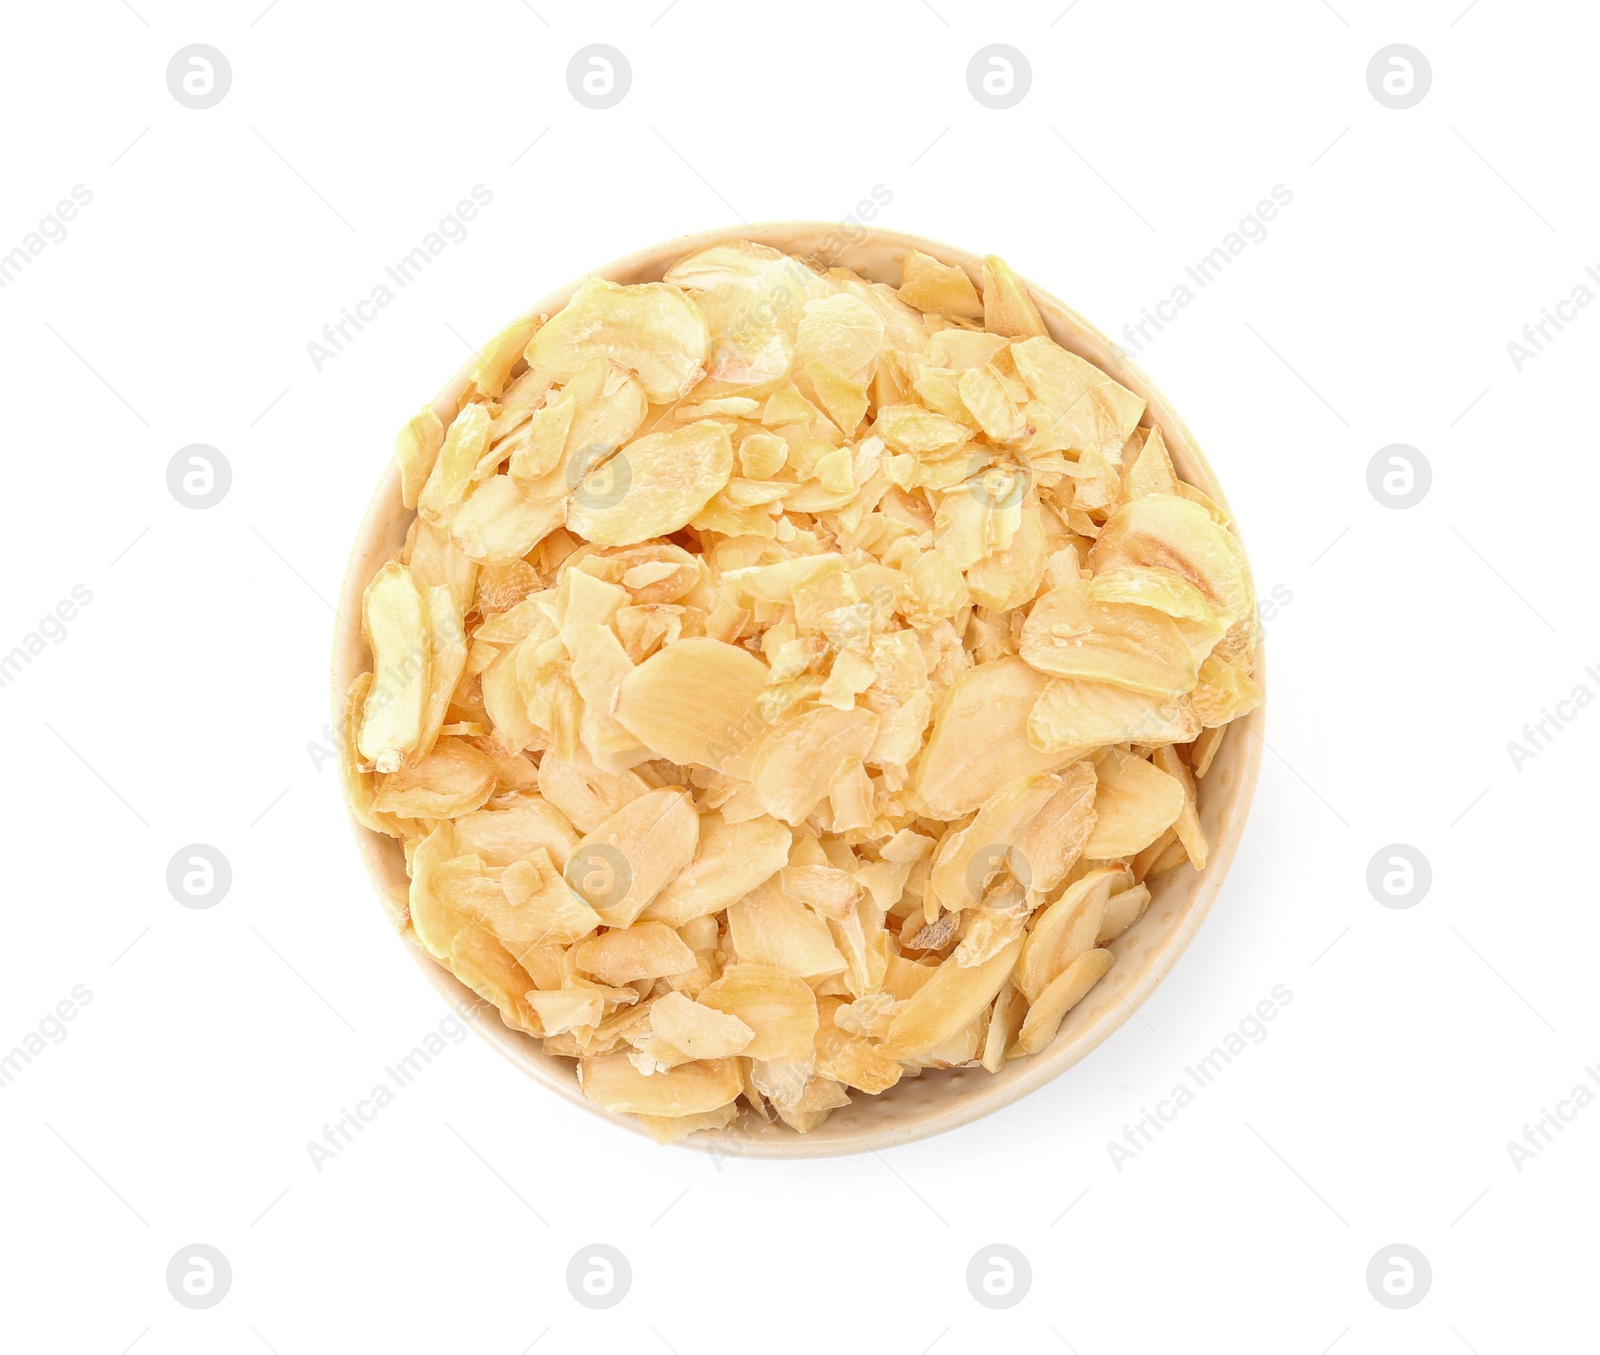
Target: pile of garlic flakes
(790,682)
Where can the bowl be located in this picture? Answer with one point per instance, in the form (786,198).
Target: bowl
(938,1100)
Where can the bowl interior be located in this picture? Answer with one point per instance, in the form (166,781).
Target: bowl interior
(937,1100)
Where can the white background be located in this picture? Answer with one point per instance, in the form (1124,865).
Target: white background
(186,701)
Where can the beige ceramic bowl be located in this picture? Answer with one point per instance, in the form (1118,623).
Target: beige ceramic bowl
(921,1106)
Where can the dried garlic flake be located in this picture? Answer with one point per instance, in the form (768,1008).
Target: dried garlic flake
(792,682)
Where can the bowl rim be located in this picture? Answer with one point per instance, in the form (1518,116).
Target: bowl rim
(1075,1040)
